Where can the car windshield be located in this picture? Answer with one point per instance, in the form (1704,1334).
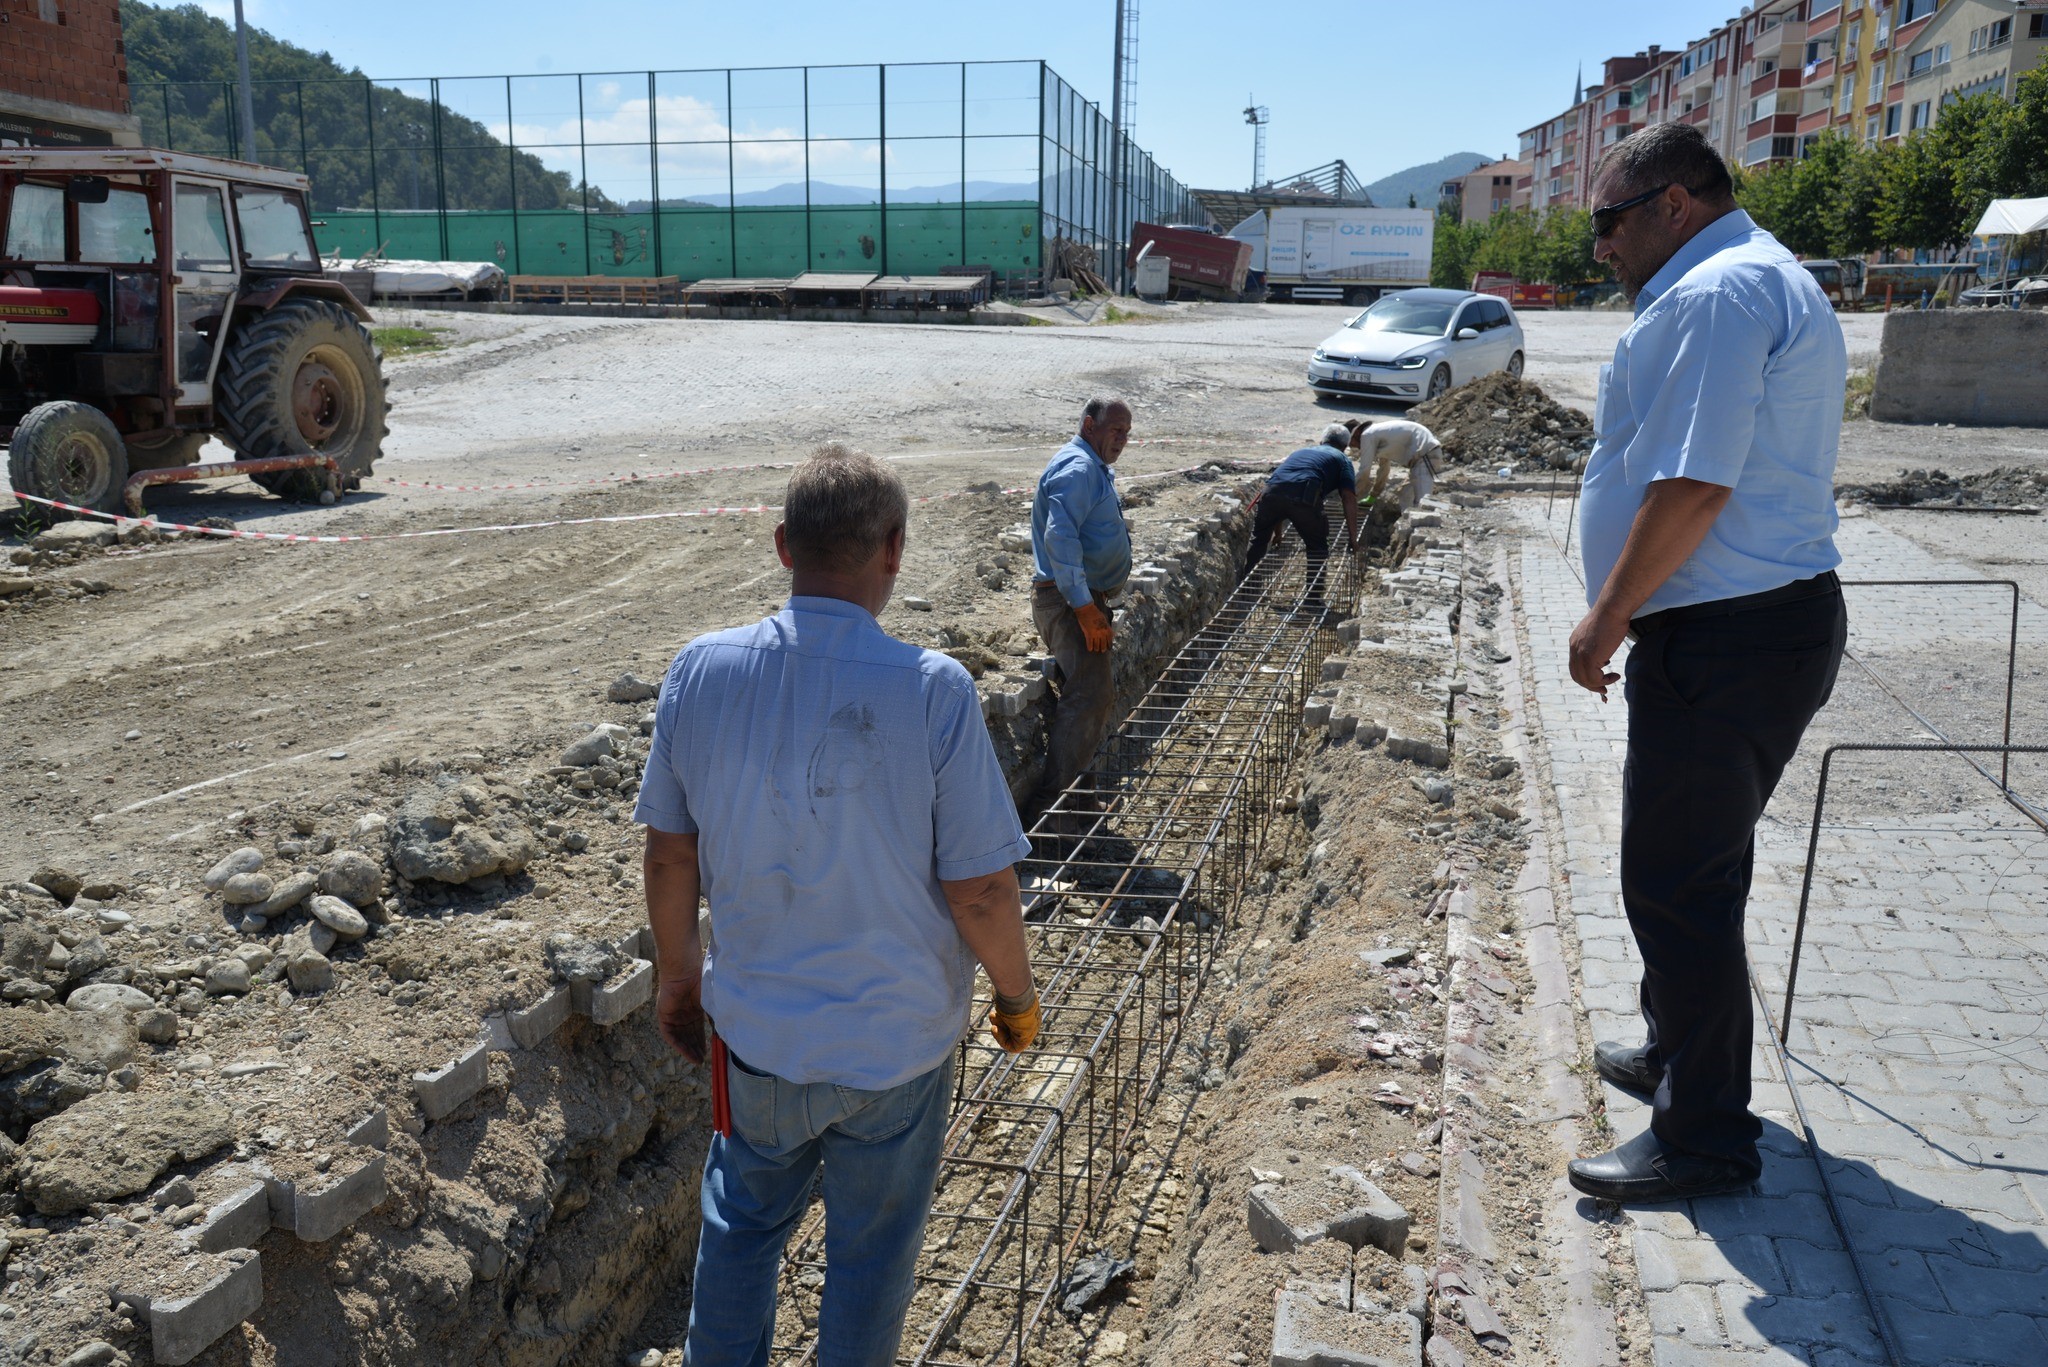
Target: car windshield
(1422,317)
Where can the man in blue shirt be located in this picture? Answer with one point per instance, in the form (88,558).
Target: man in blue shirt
(1707,524)
(833,795)
(1295,493)
(1080,557)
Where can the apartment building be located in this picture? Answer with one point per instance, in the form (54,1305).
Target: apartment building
(1768,83)
(64,75)
(1486,190)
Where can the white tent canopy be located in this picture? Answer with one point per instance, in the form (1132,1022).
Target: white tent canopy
(2015,217)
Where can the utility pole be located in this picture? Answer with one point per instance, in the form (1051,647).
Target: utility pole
(1121,83)
(1258,116)
(247,105)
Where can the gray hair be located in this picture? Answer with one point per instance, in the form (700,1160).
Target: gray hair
(1337,435)
(1097,408)
(1665,154)
(842,506)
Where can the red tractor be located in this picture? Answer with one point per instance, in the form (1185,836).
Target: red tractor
(150,300)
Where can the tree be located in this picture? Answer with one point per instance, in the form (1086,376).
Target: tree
(1511,245)
(2018,159)
(1855,223)
(1565,254)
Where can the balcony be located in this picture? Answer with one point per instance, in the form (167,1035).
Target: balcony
(1774,125)
(1822,70)
(1816,121)
(1784,78)
(1697,116)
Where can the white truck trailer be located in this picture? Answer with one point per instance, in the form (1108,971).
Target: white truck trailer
(1336,252)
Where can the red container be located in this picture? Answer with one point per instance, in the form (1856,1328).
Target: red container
(1207,262)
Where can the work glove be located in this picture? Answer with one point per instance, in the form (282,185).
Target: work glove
(1095,630)
(1015,1030)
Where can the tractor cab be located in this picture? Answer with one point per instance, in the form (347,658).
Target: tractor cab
(150,300)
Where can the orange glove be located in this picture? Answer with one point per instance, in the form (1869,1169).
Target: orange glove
(1015,1030)
(1094,627)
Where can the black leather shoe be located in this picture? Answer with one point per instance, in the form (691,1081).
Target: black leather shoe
(1624,1066)
(1643,1170)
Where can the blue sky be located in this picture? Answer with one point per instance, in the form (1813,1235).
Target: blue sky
(1384,84)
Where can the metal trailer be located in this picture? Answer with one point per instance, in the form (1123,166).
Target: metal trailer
(1339,253)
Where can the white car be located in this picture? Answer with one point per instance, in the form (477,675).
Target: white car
(1415,344)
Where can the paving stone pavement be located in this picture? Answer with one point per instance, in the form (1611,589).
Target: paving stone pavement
(1918,1051)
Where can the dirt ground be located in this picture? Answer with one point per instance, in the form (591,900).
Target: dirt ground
(167,703)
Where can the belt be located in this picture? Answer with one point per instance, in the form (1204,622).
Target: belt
(1820,586)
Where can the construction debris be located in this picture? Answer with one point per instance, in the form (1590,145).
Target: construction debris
(2006,489)
(1499,420)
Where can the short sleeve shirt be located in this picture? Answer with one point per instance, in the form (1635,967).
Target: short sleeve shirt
(1733,374)
(1312,474)
(832,775)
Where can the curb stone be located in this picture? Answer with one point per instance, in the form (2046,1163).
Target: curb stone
(180,1330)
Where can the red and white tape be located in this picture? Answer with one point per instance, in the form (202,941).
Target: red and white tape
(302,538)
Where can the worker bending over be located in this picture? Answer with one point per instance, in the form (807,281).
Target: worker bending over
(833,793)
(1081,556)
(1295,493)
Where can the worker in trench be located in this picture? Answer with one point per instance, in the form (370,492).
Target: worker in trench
(833,794)
(1294,494)
(1707,524)
(1080,558)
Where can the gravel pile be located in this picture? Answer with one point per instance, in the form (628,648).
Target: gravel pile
(2008,486)
(1499,420)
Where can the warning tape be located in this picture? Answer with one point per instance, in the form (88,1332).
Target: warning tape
(303,538)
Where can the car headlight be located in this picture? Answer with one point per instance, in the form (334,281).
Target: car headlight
(1412,362)
(1320,356)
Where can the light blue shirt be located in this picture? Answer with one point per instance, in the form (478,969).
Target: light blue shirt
(1732,374)
(833,775)
(1079,540)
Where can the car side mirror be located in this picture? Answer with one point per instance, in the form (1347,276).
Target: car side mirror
(1467,334)
(87,189)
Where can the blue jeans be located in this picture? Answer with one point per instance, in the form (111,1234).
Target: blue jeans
(880,1152)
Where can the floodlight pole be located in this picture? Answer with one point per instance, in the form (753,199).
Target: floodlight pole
(1116,147)
(246,106)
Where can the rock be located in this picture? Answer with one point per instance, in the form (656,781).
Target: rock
(26,990)
(339,917)
(228,978)
(247,889)
(352,877)
(28,1036)
(59,883)
(1437,791)
(24,949)
(74,536)
(915,604)
(1387,956)
(114,1144)
(288,893)
(103,889)
(630,688)
(309,971)
(1309,1333)
(98,1353)
(368,826)
(248,859)
(455,834)
(28,893)
(101,996)
(1342,1205)
(589,750)
(575,960)
(156,1025)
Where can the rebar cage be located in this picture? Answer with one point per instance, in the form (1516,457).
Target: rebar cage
(1135,881)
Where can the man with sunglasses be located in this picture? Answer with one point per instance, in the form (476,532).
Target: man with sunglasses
(1708,523)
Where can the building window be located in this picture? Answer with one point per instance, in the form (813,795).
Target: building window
(1876,81)
(2001,33)
(1911,10)
(1919,64)
(1848,94)
(1923,114)
(1941,55)
(1782,148)
(1891,121)
(1855,36)
(2037,26)
(1870,129)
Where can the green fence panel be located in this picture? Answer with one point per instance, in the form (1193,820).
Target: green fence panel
(696,243)
(621,244)
(846,238)
(481,236)
(1003,237)
(550,242)
(923,238)
(771,240)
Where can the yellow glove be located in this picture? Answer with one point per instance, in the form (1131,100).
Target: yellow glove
(1015,1030)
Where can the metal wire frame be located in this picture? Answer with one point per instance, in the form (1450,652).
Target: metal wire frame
(1145,858)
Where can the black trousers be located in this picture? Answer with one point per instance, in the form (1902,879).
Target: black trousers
(1718,697)
(1307,519)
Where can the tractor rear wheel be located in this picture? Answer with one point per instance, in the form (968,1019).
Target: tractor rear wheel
(304,378)
(70,453)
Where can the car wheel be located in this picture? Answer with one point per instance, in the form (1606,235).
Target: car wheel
(1515,365)
(1439,382)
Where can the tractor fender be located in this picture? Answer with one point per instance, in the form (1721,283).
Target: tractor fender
(270,296)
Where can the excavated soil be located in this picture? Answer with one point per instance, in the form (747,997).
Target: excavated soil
(1498,420)
(2007,488)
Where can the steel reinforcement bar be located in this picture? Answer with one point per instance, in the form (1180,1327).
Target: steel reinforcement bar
(1134,883)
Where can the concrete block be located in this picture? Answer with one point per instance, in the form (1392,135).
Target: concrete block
(180,1330)
(1432,754)
(1308,1333)
(442,1090)
(610,1005)
(1342,1205)
(1333,669)
(531,1027)
(372,1131)
(1315,714)
(1955,365)
(320,1215)
(237,1222)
